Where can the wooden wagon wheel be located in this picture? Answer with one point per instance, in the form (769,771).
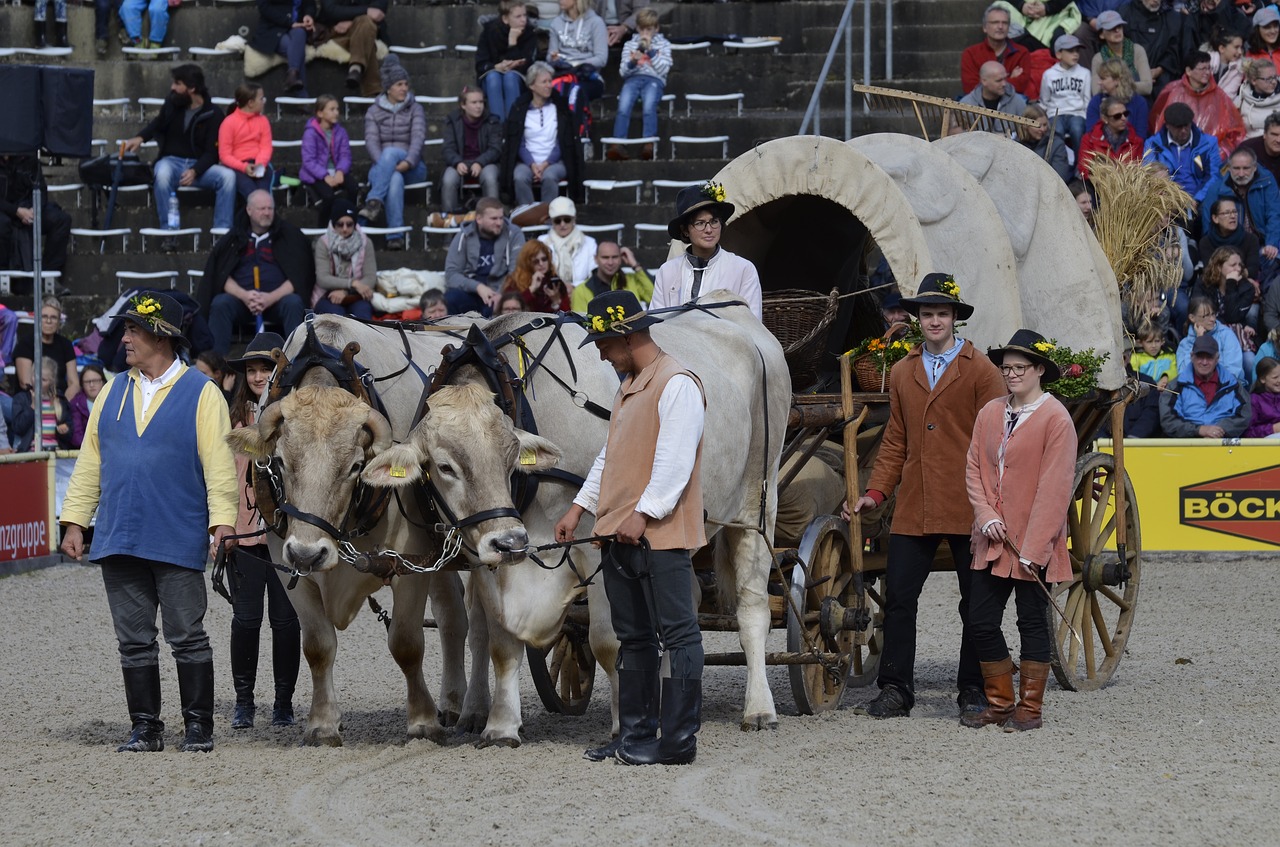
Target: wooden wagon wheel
(1099,606)
(564,673)
(824,571)
(864,664)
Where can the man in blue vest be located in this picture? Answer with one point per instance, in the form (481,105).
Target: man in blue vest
(156,466)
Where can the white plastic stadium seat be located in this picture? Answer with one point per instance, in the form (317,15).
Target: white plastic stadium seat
(631,142)
(308,103)
(590,185)
(157,232)
(639,228)
(209,52)
(352,100)
(107,104)
(102,235)
(404,50)
(756,43)
(604,229)
(677,184)
(49,280)
(690,99)
(722,140)
(696,45)
(139,279)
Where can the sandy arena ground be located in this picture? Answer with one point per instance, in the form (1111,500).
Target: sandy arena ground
(1167,754)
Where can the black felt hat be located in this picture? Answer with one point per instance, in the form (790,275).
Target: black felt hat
(693,198)
(938,289)
(1034,346)
(159,314)
(615,314)
(259,350)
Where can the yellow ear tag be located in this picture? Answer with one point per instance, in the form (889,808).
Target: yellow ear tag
(527,456)
(398,472)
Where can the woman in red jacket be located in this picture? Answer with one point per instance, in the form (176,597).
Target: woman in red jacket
(244,141)
(1019,476)
(1113,136)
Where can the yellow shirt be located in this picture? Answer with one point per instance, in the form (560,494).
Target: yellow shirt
(213,423)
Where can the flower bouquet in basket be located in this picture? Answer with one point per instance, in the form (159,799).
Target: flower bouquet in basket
(1079,369)
(875,356)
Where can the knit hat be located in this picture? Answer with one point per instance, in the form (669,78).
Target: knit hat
(341,208)
(392,71)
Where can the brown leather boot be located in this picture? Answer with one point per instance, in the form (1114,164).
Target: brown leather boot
(1031,682)
(997,683)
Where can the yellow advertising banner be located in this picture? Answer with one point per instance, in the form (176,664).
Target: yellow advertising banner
(1205,495)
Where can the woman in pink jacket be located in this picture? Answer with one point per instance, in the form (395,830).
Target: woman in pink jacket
(244,141)
(1020,474)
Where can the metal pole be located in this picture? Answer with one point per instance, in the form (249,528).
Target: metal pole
(37,287)
(811,115)
(866,55)
(848,78)
(888,40)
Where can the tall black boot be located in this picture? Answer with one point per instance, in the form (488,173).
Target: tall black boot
(60,34)
(681,719)
(637,712)
(40,39)
(195,684)
(286,652)
(142,693)
(244,673)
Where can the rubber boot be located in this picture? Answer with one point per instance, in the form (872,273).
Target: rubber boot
(142,693)
(997,682)
(637,712)
(681,719)
(195,685)
(1031,682)
(292,81)
(244,673)
(286,652)
(40,42)
(60,34)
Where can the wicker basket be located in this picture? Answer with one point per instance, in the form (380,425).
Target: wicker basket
(799,320)
(869,375)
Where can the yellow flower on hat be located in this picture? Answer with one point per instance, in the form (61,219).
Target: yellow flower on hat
(1043,346)
(714,191)
(949,287)
(597,324)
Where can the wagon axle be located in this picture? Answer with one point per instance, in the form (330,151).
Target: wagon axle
(835,618)
(1112,572)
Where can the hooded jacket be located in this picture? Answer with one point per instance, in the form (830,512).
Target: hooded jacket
(1214,112)
(464,257)
(1185,409)
(317,150)
(1193,166)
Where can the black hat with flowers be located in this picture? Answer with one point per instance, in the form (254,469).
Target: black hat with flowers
(692,199)
(938,289)
(1035,347)
(615,314)
(159,314)
(259,350)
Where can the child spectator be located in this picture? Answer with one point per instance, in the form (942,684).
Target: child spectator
(131,17)
(1153,357)
(92,379)
(60,17)
(507,46)
(472,150)
(244,141)
(326,159)
(1265,419)
(1065,90)
(1226,51)
(646,61)
(511,302)
(433,306)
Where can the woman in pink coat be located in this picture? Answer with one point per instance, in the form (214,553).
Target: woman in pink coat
(1020,475)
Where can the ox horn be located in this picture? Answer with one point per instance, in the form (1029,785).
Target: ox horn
(381,431)
(270,420)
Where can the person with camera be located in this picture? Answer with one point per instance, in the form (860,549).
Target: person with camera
(535,280)
(646,61)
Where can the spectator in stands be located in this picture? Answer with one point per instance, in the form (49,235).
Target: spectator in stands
(8,336)
(1257,200)
(646,61)
(1203,321)
(131,18)
(1267,146)
(1045,142)
(1115,47)
(994,92)
(1264,402)
(480,257)
(1226,60)
(1269,349)
(1214,112)
(1258,97)
(19,422)
(244,141)
(572,250)
(580,42)
(1090,31)
(326,159)
(284,27)
(1209,400)
(1188,153)
(995,47)
(346,267)
(1224,230)
(18,178)
(1154,357)
(507,46)
(52,429)
(263,268)
(536,281)
(704,266)
(1035,24)
(1065,91)
(540,145)
(395,128)
(1112,137)
(1264,38)
(54,345)
(510,303)
(432,305)
(101,25)
(187,132)
(1271,309)
(214,366)
(1221,16)
(357,25)
(6,446)
(1162,33)
(472,150)
(608,276)
(1084,199)
(60,23)
(1225,284)
(621,17)
(1114,80)
(92,378)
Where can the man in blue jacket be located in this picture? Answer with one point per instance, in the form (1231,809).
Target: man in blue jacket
(1189,154)
(1210,402)
(1256,197)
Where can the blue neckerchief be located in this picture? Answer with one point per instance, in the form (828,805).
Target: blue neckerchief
(936,365)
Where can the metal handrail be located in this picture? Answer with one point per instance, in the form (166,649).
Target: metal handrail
(812,114)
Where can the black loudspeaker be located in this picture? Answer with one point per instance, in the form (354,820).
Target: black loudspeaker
(47,108)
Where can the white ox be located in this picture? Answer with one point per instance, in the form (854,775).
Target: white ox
(748,393)
(323,436)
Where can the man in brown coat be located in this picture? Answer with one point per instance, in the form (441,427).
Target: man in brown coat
(645,490)
(934,397)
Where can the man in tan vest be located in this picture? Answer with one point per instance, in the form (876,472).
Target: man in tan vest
(645,490)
